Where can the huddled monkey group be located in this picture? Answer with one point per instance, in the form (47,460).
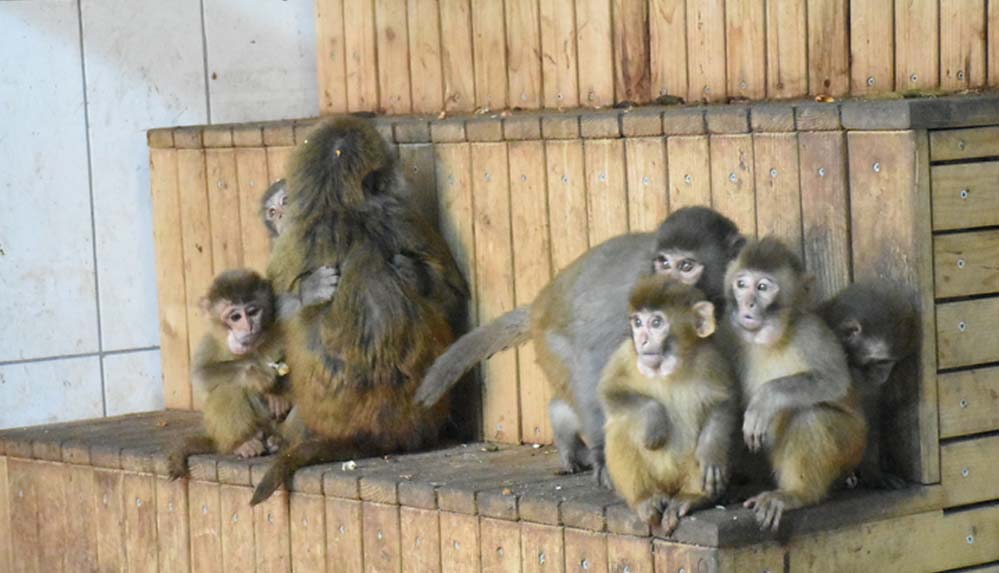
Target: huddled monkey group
(659,347)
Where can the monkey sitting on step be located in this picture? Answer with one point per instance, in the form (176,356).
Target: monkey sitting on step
(671,405)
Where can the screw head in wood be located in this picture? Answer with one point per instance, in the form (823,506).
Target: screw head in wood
(523,177)
(960,263)
(962,326)
(964,403)
(565,179)
(646,181)
(688,179)
(913,78)
(965,472)
(822,171)
(541,558)
(584,564)
(870,80)
(270,518)
(204,509)
(138,502)
(602,177)
(456,545)
(773,172)
(488,176)
(970,539)
(743,85)
(558,96)
(707,89)
(499,551)
(876,167)
(960,75)
(964,193)
(341,530)
(235,518)
(961,144)
(733,177)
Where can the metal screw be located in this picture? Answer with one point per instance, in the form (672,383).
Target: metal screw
(688,179)
(170,507)
(681,570)
(558,96)
(602,177)
(870,80)
(743,85)
(965,472)
(961,144)
(591,95)
(220,184)
(733,177)
(964,403)
(585,564)
(457,98)
(419,540)
(626,569)
(970,539)
(913,78)
(104,499)
(773,172)
(964,193)
(960,263)
(876,167)
(541,558)
(646,181)
(305,522)
(138,502)
(204,509)
(523,177)
(235,518)
(416,169)
(270,518)
(565,179)
(380,535)
(20,494)
(822,171)
(962,326)
(707,89)
(499,551)
(456,545)
(960,75)
(662,91)
(489,176)
(341,530)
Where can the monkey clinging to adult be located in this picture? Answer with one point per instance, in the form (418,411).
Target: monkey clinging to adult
(575,321)
(671,405)
(878,325)
(800,406)
(355,362)
(272,208)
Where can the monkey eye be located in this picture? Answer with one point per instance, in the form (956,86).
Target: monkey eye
(686,266)
(657,322)
(636,322)
(740,283)
(253,311)
(663,260)
(762,287)
(234,317)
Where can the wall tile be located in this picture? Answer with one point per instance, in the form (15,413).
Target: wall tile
(50,391)
(48,303)
(149,73)
(261,61)
(133,382)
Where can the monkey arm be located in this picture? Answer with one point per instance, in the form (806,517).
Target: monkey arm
(713,446)
(315,288)
(653,420)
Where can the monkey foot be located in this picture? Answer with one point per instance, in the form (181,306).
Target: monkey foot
(768,507)
(675,509)
(273,444)
(177,466)
(251,448)
(651,510)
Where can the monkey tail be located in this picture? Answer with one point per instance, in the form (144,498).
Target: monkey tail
(511,329)
(192,446)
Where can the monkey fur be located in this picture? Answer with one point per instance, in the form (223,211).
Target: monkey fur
(273,205)
(800,406)
(356,362)
(878,326)
(669,422)
(575,322)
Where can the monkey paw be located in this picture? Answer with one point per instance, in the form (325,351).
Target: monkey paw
(755,427)
(651,510)
(768,507)
(273,444)
(714,479)
(251,448)
(602,476)
(320,285)
(277,405)
(674,510)
(177,466)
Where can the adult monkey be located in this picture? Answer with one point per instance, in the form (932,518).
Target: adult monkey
(355,361)
(575,322)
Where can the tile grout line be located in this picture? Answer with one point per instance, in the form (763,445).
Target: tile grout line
(204,59)
(100,353)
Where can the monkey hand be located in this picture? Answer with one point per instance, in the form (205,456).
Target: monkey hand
(756,425)
(251,448)
(651,510)
(277,405)
(714,477)
(320,285)
(768,507)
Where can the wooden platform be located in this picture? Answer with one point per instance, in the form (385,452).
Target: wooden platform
(93,495)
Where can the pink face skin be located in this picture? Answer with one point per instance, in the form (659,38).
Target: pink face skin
(245,324)
(649,330)
(754,293)
(678,265)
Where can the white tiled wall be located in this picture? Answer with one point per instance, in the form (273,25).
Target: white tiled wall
(80,83)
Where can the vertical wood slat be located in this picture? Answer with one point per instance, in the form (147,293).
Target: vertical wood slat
(272,534)
(420,533)
(824,209)
(307,514)
(49,495)
(457,55)
(627,553)
(705,54)
(558,56)
(382,547)
(80,548)
(745,46)
(459,541)
(594,45)
(778,196)
(992,43)
(828,47)
(606,189)
(330,60)
(251,182)
(689,171)
(172,525)
(171,291)
(140,521)
(360,44)
(787,49)
(668,47)
(277,162)
(5,523)
(489,47)
(204,509)
(425,71)
(417,161)
(585,550)
(523,48)
(566,201)
(494,295)
(224,210)
(109,519)
(532,271)
(236,528)
(344,532)
(632,80)
(732,180)
(962,44)
(392,33)
(647,201)
(453,165)
(499,545)
(917,44)
(871,46)
(542,548)
(23,496)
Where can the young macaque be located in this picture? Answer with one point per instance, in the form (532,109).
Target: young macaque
(801,408)
(671,405)
(878,325)
(272,208)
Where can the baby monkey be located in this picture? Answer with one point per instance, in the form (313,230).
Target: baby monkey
(671,405)
(272,208)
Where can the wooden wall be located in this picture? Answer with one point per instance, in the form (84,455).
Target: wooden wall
(425,56)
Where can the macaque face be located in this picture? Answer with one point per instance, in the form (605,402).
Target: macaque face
(650,332)
(245,323)
(678,265)
(754,292)
(868,351)
(274,211)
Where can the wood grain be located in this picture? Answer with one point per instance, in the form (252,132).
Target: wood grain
(917,44)
(236,524)
(595,52)
(489,46)
(871,49)
(732,180)
(542,548)
(204,510)
(787,49)
(223,206)
(425,68)
(745,45)
(381,537)
(558,55)
(824,209)
(499,545)
(967,470)
(966,332)
(828,47)
(778,195)
(457,55)
(523,49)
(969,402)
(307,515)
(632,80)
(344,533)
(392,33)
(360,44)
(420,539)
(172,525)
(330,56)
(140,521)
(459,541)
(705,54)
(606,189)
(966,263)
(271,533)
(689,171)
(251,182)
(965,195)
(962,44)
(647,202)
(668,47)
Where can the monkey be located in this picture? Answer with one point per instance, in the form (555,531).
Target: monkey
(272,208)
(800,406)
(671,405)
(355,362)
(575,322)
(878,326)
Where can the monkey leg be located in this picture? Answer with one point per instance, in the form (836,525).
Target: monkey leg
(680,506)
(177,459)
(252,448)
(572,451)
(233,416)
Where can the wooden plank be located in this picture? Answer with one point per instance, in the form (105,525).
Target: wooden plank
(595,48)
(965,195)
(308,532)
(992,45)
(787,49)
(456,55)
(277,162)
(606,189)
(172,525)
(966,263)
(140,521)
(871,49)
(382,549)
(970,143)
(392,32)
(966,332)
(343,535)
(632,79)
(967,470)
(51,507)
(745,46)
(494,267)
(668,47)
(566,201)
(499,545)
(236,528)
(647,201)
(251,182)
(689,171)
(489,46)
(417,161)
(732,182)
(25,543)
(421,543)
(425,56)
(828,47)
(271,532)
(778,195)
(204,508)
(523,49)
(109,519)
(360,44)
(542,548)
(962,45)
(6,552)
(969,402)
(331,64)
(705,50)
(532,271)
(585,551)
(824,209)
(224,209)
(170,282)
(628,553)
(453,173)
(917,44)
(558,56)
(459,541)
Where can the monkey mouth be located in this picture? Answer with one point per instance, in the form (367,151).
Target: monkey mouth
(749,322)
(240,347)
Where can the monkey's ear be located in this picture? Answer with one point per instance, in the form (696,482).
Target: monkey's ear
(704,318)
(735,244)
(850,329)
